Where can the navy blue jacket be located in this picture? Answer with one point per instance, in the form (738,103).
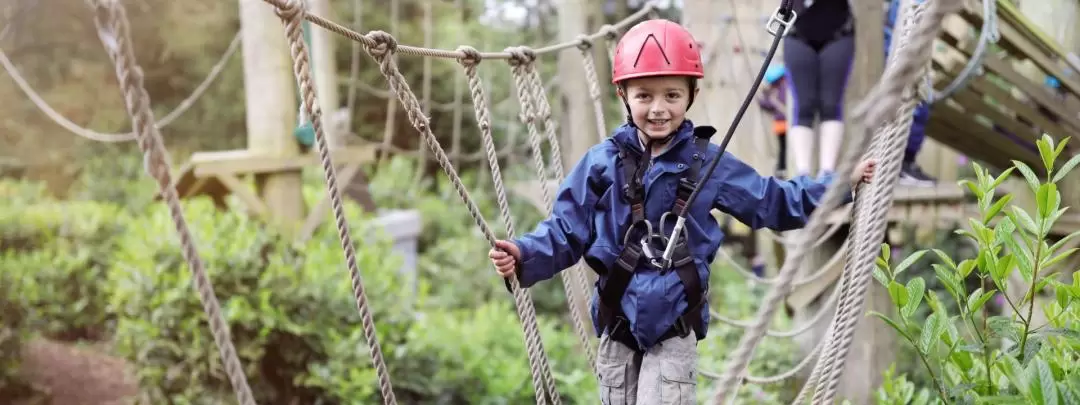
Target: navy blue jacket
(590,211)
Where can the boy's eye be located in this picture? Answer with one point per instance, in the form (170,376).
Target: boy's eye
(673,95)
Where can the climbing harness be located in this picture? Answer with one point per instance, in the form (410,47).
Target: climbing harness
(639,243)
(782,18)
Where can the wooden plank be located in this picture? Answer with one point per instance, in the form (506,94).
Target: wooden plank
(317,215)
(1020,45)
(993,142)
(967,140)
(246,194)
(245,162)
(1067,111)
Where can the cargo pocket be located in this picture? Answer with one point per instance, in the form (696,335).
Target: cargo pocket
(612,378)
(678,383)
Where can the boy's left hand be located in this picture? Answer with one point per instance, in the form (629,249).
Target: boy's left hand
(864,172)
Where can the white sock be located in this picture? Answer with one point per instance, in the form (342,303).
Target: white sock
(832,138)
(800,143)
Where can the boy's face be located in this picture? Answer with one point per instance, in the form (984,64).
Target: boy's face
(658,104)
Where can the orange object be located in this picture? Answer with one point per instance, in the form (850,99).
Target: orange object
(779,126)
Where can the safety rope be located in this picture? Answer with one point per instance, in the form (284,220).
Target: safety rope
(523,70)
(292,16)
(483,119)
(92,135)
(897,92)
(113,30)
(880,105)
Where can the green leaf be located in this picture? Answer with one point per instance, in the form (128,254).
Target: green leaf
(881,277)
(1014,372)
(977,299)
(1001,178)
(1029,175)
(948,260)
(1046,153)
(931,332)
(971,186)
(965,268)
(1048,200)
(898,293)
(1052,261)
(1041,386)
(916,287)
(1003,270)
(996,208)
(885,251)
(1003,327)
(1066,168)
(1023,219)
(914,257)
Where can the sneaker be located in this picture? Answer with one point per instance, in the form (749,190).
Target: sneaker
(913,175)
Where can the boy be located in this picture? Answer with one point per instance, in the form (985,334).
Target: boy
(610,211)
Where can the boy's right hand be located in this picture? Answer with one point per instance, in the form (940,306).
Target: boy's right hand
(505,256)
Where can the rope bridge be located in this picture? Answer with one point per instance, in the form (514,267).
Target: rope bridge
(885,113)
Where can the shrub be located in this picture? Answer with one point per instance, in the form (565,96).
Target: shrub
(1003,359)
(56,254)
(286,306)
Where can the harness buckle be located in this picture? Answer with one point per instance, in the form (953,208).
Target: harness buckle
(777,20)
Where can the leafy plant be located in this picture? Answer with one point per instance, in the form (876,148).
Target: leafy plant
(998,359)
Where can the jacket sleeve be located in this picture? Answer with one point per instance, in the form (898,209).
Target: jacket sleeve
(560,240)
(766,201)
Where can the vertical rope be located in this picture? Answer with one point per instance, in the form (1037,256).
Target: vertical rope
(589,63)
(113,29)
(522,71)
(293,16)
(880,105)
(382,52)
(531,92)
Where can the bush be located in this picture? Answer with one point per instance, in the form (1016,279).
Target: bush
(56,254)
(1003,359)
(286,306)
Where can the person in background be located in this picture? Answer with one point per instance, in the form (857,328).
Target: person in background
(773,100)
(910,172)
(818,55)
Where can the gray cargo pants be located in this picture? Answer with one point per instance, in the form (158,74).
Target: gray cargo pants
(666,374)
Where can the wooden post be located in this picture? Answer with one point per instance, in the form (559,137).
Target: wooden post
(577,123)
(325,67)
(270,94)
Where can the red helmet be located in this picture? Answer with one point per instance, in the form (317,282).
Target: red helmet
(656,48)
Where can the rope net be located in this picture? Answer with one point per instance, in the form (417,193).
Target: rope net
(886,112)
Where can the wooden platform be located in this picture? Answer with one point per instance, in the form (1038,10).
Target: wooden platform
(218,174)
(1011,93)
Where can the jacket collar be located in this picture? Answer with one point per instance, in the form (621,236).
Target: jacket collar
(626,136)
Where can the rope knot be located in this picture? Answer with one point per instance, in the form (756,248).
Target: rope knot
(383,43)
(521,55)
(472,56)
(608,31)
(290,10)
(583,42)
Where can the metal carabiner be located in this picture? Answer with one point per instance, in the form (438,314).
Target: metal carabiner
(648,230)
(776,20)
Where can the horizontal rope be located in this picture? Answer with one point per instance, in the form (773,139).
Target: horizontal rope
(606,31)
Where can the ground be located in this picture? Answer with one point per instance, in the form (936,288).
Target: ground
(78,375)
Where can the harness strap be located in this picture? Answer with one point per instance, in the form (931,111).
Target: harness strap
(610,316)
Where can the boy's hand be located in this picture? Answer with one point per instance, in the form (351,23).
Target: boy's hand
(864,172)
(505,256)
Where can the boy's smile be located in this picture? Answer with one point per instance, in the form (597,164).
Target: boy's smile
(657,104)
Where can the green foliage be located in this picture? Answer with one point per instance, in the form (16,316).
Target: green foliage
(56,254)
(998,359)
